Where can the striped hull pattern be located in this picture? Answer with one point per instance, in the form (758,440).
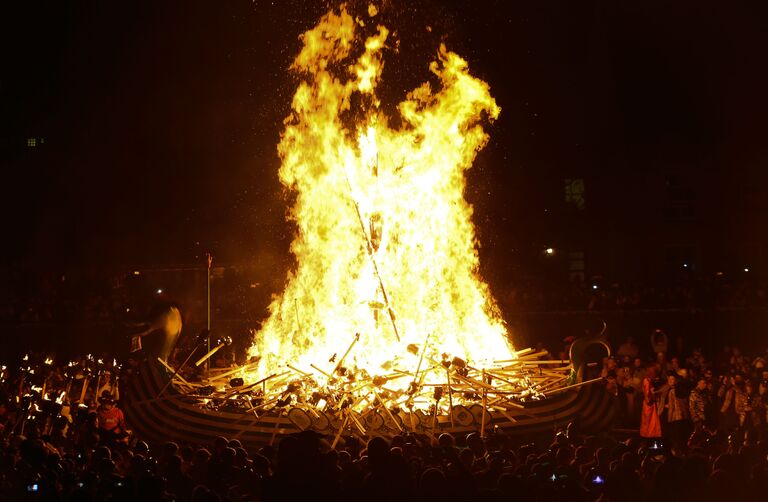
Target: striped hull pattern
(176,417)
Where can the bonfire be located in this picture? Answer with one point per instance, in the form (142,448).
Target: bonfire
(384,320)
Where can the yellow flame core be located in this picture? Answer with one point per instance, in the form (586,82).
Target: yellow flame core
(383,227)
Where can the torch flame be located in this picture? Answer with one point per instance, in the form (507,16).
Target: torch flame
(385,245)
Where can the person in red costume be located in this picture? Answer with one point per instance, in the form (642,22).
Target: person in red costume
(111,421)
(650,425)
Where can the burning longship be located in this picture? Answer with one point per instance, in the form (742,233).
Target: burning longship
(384,325)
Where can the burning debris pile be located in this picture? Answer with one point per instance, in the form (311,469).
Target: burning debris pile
(386,250)
(429,396)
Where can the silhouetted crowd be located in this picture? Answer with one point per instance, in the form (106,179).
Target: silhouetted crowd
(691,395)
(60,442)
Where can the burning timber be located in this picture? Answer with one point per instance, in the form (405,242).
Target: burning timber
(521,395)
(385,247)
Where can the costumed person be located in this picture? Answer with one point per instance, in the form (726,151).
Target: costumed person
(110,384)
(675,402)
(110,420)
(650,425)
(729,417)
(160,332)
(698,402)
(760,402)
(743,405)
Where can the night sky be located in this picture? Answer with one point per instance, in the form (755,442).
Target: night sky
(160,120)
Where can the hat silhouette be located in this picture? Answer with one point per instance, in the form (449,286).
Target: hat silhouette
(106,397)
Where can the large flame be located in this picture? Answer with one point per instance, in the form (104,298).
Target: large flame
(385,244)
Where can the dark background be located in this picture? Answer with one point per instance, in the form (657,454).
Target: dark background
(155,127)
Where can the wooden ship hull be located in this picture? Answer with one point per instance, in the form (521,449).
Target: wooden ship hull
(181,417)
